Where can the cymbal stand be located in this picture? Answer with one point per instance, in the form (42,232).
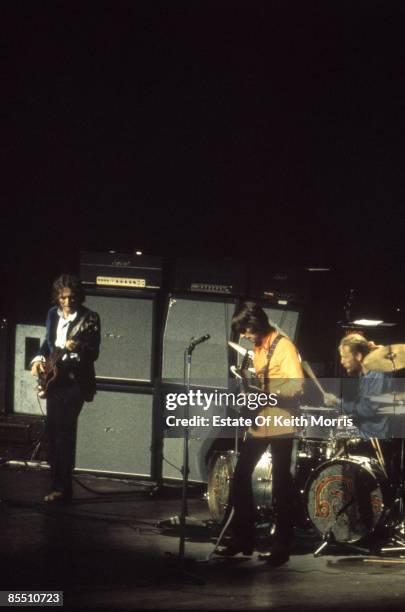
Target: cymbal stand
(397,526)
(397,542)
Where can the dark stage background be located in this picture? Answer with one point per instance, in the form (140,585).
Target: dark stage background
(270,132)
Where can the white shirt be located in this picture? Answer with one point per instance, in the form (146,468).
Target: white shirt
(61,330)
(61,336)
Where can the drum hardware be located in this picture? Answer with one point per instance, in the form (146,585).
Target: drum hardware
(316,432)
(397,543)
(221,535)
(329,540)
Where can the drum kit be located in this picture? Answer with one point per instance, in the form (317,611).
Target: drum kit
(343,483)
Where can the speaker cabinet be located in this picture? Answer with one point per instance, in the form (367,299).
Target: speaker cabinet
(187,317)
(115,434)
(126,336)
(28,339)
(3,365)
(199,451)
(202,438)
(287,320)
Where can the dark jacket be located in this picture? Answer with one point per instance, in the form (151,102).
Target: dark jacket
(86,330)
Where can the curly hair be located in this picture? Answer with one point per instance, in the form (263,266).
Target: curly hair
(71,282)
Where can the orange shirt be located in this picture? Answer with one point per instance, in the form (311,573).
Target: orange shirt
(284,363)
(284,376)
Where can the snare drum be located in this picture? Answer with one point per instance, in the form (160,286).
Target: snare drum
(319,422)
(347,497)
(220,478)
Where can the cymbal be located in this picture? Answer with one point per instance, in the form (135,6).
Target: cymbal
(389,398)
(392,410)
(318,409)
(386,359)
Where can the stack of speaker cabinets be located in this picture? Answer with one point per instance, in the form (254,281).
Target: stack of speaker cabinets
(203,302)
(116,431)
(145,332)
(3,364)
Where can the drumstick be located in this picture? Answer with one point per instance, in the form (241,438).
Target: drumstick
(307,368)
(380,457)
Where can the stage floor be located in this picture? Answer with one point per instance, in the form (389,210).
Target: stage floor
(105,550)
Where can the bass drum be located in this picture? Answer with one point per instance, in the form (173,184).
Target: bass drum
(220,477)
(347,497)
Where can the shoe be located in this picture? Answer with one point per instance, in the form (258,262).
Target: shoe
(57,497)
(234,548)
(278,556)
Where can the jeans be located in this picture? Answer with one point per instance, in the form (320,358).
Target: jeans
(63,408)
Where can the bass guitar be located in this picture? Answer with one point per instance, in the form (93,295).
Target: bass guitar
(54,363)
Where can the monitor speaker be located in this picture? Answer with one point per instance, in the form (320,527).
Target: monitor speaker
(115,434)
(126,337)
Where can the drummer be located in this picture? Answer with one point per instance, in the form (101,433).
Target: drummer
(356,402)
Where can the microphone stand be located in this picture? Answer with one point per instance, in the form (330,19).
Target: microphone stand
(185,468)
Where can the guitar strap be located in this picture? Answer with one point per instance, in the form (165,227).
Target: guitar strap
(76,328)
(272,348)
(265,370)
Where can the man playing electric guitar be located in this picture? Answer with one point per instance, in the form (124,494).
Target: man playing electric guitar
(65,369)
(279,371)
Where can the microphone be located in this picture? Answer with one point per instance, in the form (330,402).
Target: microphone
(195,341)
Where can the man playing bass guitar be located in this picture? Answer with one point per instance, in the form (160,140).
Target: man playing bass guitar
(64,367)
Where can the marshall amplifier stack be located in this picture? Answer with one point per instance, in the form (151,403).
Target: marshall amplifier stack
(223,277)
(120,270)
(280,286)
(116,433)
(282,292)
